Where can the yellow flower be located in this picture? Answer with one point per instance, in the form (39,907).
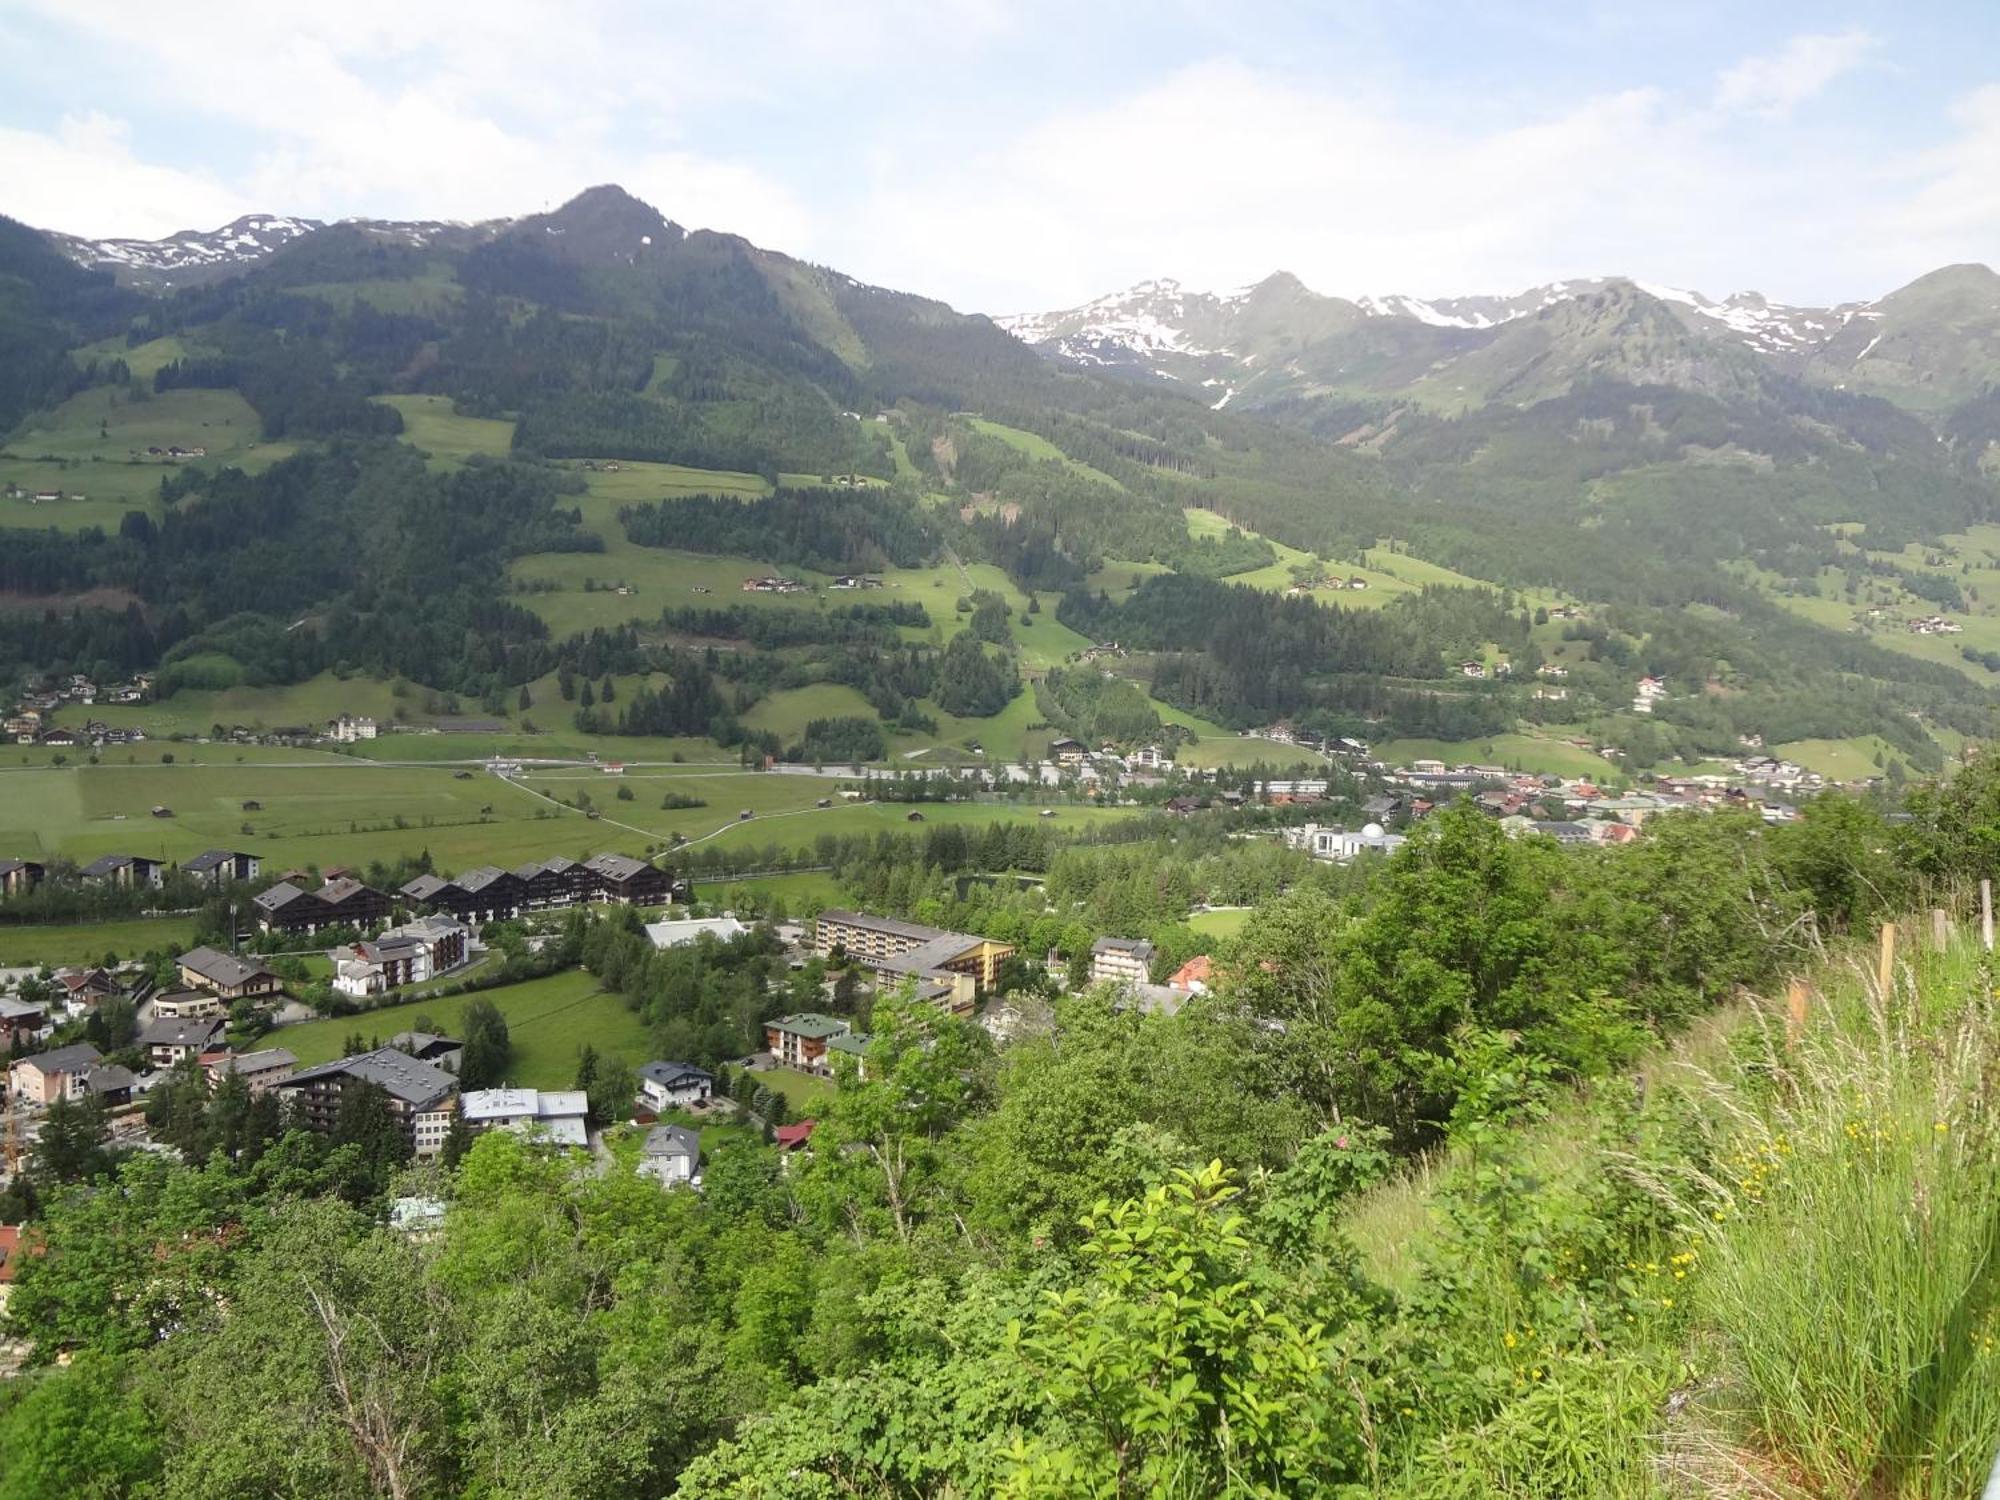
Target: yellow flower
(1511,1340)
(1666,1302)
(1940,1127)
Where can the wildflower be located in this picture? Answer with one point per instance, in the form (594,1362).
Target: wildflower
(1940,1127)
(1666,1302)
(1510,1340)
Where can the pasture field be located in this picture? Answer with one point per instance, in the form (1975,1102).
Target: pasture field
(1843,760)
(1235,750)
(312,703)
(143,360)
(548,1020)
(577,591)
(430,423)
(338,811)
(804,894)
(1003,736)
(786,713)
(88,942)
(409,294)
(1038,447)
(797,830)
(1515,751)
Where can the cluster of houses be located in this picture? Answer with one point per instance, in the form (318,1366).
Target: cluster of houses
(31,721)
(1935,625)
(214,867)
(771,583)
(1650,690)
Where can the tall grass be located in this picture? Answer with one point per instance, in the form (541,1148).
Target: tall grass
(1850,1208)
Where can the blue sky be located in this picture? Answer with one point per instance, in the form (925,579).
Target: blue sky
(1023,156)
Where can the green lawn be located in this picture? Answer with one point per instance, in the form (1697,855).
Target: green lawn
(1221,924)
(88,942)
(799,830)
(547,1021)
(804,1092)
(1038,447)
(804,895)
(786,713)
(1843,760)
(1235,750)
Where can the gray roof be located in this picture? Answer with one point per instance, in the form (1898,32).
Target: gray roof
(423,887)
(673,1140)
(339,890)
(9,866)
(616,866)
(224,970)
(418,1043)
(667,1074)
(1137,947)
(415,1083)
(894,926)
(68,1059)
(477,880)
(210,859)
(257,1062)
(107,1077)
(283,894)
(106,864)
(188,1032)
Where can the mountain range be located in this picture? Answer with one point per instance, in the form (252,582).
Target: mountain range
(1735,482)
(1930,346)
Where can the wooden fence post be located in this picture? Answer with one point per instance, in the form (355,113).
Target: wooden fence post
(1986,914)
(1885,966)
(1940,927)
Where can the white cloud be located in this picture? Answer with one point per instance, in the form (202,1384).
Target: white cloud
(83,177)
(1780,82)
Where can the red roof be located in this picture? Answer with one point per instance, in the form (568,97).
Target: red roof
(1195,971)
(791,1137)
(10,1242)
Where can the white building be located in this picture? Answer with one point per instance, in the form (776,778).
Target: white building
(347,729)
(1339,845)
(673,1085)
(671,1156)
(1118,960)
(553,1116)
(674,934)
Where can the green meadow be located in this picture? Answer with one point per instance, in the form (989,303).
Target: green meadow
(89,942)
(548,1021)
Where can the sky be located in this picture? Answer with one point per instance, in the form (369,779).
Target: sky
(1025,156)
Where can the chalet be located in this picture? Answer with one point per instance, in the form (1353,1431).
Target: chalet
(1193,977)
(61,737)
(19,876)
(485,894)
(548,1116)
(671,1156)
(955,968)
(262,1070)
(789,1138)
(84,989)
(345,902)
(631,882)
(220,866)
(1472,668)
(422,890)
(166,1042)
(422,1098)
(127,870)
(551,883)
(1068,752)
(673,1085)
(1116,960)
(799,1041)
(226,975)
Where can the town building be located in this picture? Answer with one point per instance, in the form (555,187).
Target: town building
(423,1099)
(20,876)
(1193,977)
(671,1156)
(1341,845)
(800,1041)
(375,967)
(553,1117)
(951,968)
(347,729)
(20,1021)
(227,975)
(221,866)
(262,1070)
(166,1041)
(673,1085)
(77,1071)
(340,902)
(127,870)
(425,1046)
(1116,960)
(688,930)
(631,882)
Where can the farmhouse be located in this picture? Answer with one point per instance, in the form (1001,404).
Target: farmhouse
(220,866)
(422,1098)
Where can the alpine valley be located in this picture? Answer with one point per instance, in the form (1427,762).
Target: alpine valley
(484,462)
